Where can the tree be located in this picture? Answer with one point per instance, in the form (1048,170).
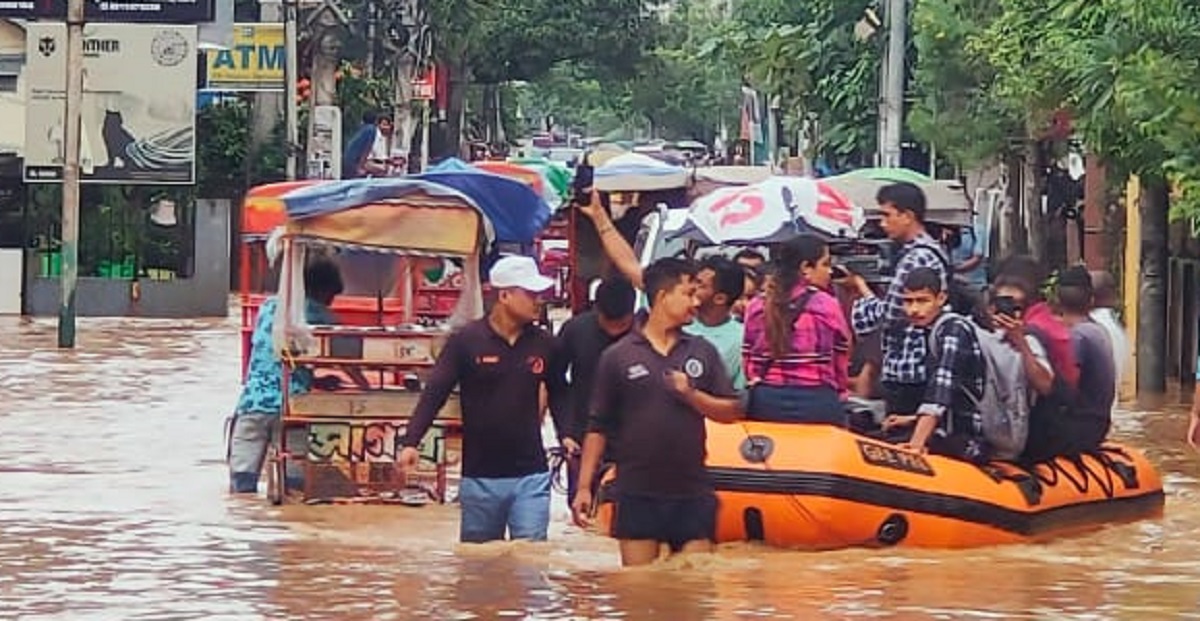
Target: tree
(954,106)
(1125,70)
(575,95)
(499,41)
(807,53)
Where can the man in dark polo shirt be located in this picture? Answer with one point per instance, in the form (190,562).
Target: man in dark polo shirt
(499,363)
(653,390)
(578,347)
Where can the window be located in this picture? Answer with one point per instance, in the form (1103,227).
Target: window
(10,71)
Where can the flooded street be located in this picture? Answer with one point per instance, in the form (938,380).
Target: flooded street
(113,504)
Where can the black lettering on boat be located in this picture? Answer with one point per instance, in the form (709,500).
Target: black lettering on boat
(894,458)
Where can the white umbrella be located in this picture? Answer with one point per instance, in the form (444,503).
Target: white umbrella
(634,172)
(771,211)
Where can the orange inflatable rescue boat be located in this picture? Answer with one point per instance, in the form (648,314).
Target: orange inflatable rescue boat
(822,487)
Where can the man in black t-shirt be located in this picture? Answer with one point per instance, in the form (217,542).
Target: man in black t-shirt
(500,364)
(653,390)
(577,352)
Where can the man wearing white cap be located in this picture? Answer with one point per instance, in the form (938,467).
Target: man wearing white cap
(499,363)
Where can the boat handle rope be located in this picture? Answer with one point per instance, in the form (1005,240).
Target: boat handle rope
(868,542)
(1107,483)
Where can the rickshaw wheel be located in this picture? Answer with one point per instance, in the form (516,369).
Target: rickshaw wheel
(275,478)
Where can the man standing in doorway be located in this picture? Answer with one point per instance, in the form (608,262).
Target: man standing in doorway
(500,364)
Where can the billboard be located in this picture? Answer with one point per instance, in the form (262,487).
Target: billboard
(139,103)
(135,11)
(254,62)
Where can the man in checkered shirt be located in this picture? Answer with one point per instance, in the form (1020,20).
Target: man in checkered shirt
(904,352)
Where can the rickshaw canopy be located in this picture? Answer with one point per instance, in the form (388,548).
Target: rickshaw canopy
(947,200)
(417,217)
(263,210)
(516,211)
(552,183)
(708,179)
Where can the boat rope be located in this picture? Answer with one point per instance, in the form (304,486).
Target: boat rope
(1054,472)
(800,507)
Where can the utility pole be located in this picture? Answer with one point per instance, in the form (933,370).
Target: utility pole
(892,82)
(70,183)
(290,105)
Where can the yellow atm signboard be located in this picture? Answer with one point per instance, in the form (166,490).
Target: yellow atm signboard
(253,63)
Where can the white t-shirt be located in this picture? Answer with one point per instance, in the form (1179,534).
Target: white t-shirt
(1107,318)
(1039,353)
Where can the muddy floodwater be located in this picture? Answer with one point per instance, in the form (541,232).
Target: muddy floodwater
(113,505)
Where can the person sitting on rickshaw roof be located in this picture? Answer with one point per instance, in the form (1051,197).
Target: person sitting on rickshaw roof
(256,421)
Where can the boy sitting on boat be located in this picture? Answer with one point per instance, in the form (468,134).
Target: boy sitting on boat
(948,420)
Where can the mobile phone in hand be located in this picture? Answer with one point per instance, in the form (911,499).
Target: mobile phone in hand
(1007,305)
(839,272)
(581,185)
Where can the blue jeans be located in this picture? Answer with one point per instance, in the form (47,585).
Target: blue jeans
(490,506)
(796,404)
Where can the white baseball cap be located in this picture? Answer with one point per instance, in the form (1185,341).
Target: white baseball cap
(518,272)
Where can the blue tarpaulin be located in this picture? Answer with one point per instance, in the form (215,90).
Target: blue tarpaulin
(517,213)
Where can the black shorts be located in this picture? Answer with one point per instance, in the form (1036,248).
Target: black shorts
(670,520)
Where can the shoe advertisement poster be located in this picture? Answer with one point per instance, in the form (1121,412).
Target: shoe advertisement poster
(139,103)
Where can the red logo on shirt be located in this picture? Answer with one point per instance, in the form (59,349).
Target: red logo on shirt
(537,364)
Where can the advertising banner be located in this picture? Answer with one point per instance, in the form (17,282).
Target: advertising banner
(139,103)
(128,11)
(253,63)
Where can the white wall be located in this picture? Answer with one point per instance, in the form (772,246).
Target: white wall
(10,281)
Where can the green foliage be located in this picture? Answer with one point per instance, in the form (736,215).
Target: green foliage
(573,95)
(674,88)
(807,53)
(956,105)
(225,168)
(504,40)
(1127,69)
(358,94)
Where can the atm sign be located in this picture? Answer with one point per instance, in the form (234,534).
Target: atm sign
(253,63)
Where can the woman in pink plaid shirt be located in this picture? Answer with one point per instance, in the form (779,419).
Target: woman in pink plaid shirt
(796,352)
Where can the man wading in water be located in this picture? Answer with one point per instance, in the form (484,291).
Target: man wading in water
(500,364)
(653,390)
